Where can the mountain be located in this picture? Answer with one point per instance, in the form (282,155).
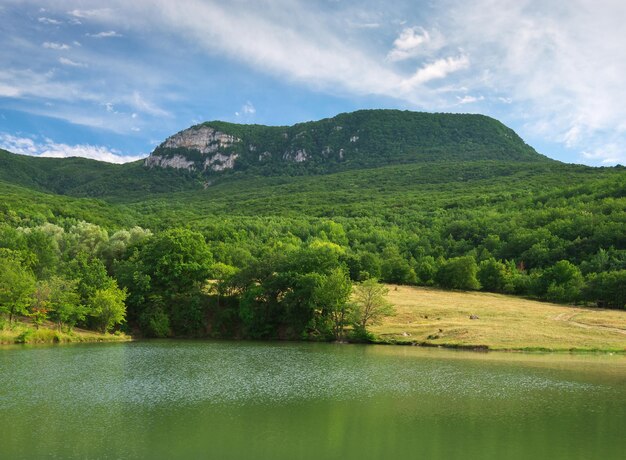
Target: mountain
(211,152)
(362,139)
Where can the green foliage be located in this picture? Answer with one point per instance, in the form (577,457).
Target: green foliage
(459,273)
(496,276)
(562,282)
(17,286)
(171,267)
(331,296)
(108,308)
(65,302)
(607,289)
(371,304)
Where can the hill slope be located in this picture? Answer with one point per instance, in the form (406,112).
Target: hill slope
(366,138)
(90,178)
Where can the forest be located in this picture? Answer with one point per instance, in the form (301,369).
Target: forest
(277,261)
(253,254)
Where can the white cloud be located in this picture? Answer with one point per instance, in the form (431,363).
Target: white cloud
(468,99)
(107,34)
(363,25)
(51,21)
(51,149)
(441,68)
(55,46)
(248,109)
(611,153)
(28,83)
(69,62)
(141,104)
(99,13)
(408,44)
(563,63)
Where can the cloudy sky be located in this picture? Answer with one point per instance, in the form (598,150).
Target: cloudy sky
(111,79)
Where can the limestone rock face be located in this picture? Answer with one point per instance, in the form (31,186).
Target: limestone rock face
(204,139)
(210,143)
(219,162)
(176,161)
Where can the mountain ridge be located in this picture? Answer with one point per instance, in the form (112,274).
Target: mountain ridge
(365,138)
(210,152)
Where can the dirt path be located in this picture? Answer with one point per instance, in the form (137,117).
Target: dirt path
(568,317)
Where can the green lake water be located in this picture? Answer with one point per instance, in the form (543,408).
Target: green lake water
(242,400)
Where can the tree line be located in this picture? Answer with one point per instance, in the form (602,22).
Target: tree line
(259,278)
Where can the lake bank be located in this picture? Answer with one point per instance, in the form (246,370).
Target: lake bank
(25,333)
(427,317)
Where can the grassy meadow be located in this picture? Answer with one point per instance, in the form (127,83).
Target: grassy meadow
(433,317)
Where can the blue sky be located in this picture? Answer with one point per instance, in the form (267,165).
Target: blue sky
(112,79)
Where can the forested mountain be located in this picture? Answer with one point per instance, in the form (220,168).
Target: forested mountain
(367,138)
(455,201)
(214,151)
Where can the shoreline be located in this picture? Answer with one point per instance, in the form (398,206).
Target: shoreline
(54,337)
(25,334)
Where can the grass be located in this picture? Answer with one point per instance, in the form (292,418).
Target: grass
(22,332)
(431,317)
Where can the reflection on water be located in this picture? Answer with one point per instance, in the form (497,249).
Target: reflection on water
(267,400)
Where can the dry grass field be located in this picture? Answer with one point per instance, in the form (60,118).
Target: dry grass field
(432,317)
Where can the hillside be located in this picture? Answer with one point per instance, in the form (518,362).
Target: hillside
(90,178)
(366,138)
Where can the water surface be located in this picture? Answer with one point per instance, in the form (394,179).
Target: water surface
(242,400)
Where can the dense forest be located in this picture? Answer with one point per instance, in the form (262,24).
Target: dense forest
(256,255)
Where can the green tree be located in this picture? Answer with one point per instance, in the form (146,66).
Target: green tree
(108,308)
(493,275)
(562,282)
(171,266)
(331,296)
(65,302)
(41,304)
(371,304)
(458,273)
(17,285)
(607,289)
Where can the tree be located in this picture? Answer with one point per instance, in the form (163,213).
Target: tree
(458,273)
(176,260)
(17,285)
(607,289)
(492,275)
(171,266)
(332,295)
(65,302)
(41,304)
(562,282)
(107,307)
(370,303)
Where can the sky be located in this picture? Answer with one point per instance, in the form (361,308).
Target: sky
(110,80)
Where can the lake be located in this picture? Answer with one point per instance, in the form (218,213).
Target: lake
(247,400)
